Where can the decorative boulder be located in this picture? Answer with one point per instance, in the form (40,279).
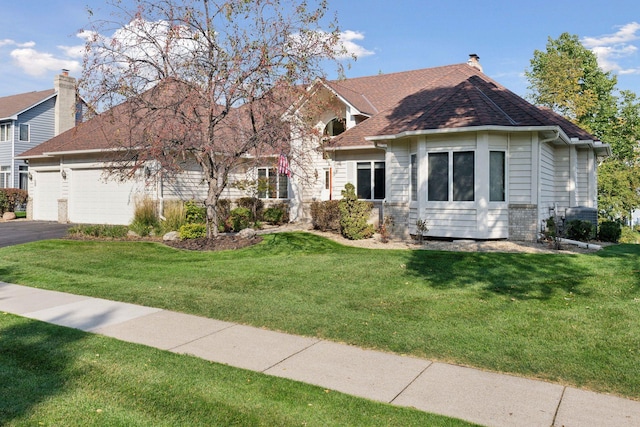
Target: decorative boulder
(171,236)
(247,233)
(132,233)
(9,216)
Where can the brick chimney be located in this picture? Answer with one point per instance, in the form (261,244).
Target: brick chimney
(474,61)
(65,109)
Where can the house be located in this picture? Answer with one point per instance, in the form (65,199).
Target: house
(447,145)
(29,119)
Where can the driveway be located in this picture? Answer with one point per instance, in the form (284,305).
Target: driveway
(16,232)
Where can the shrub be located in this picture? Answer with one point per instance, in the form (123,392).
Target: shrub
(12,198)
(354,215)
(175,215)
(193,231)
(240,218)
(578,229)
(103,231)
(195,213)
(610,231)
(325,216)
(273,215)
(255,206)
(629,235)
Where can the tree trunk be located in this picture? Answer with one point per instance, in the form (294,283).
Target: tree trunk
(212,213)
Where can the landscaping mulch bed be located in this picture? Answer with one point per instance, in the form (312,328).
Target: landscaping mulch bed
(220,243)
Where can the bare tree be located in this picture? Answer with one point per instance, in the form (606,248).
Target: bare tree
(208,80)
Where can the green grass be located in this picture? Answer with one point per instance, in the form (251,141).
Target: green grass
(53,376)
(573,319)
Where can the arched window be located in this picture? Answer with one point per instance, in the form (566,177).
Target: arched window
(335,127)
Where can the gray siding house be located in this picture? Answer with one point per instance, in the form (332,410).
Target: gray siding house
(29,119)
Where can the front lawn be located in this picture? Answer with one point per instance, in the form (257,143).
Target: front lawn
(54,376)
(573,319)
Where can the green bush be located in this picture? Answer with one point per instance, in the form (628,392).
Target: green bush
(578,229)
(255,206)
(325,216)
(610,231)
(102,231)
(195,213)
(273,215)
(193,231)
(629,235)
(354,215)
(11,198)
(240,218)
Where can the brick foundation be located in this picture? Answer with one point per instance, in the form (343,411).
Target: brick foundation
(523,223)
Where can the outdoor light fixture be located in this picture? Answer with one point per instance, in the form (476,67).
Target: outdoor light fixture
(30,177)
(63,173)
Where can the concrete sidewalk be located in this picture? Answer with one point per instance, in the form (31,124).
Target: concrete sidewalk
(482,397)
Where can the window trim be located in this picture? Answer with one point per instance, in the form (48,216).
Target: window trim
(5,174)
(413,177)
(269,173)
(373,166)
(504,176)
(28,127)
(6,133)
(450,181)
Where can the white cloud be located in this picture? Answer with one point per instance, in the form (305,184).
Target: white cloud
(9,42)
(348,38)
(37,64)
(613,49)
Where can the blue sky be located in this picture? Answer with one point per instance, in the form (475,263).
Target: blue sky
(38,39)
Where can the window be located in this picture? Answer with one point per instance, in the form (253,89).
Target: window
(414,177)
(277,184)
(335,127)
(5,174)
(370,180)
(23,172)
(496,176)
(463,176)
(5,132)
(438,180)
(24,132)
(462,167)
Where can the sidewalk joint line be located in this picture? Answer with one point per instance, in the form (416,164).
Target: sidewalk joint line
(555,415)
(291,355)
(203,336)
(412,381)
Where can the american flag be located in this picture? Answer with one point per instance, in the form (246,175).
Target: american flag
(283,166)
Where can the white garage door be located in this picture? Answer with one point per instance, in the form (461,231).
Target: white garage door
(46,192)
(94,200)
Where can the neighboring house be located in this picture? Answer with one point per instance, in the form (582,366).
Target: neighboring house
(447,145)
(29,119)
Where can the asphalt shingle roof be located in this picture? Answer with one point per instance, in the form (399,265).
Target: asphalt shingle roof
(14,104)
(449,97)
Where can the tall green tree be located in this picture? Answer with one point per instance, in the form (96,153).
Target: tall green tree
(566,78)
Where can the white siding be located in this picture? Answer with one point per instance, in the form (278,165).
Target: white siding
(582,183)
(563,180)
(397,169)
(520,172)
(547,179)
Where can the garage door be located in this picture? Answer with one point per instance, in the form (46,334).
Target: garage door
(46,192)
(94,200)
